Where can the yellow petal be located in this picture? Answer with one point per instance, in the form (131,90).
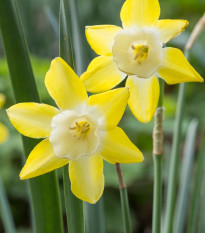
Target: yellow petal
(117,148)
(139,12)
(64,86)
(168,29)
(32,119)
(87,179)
(4,133)
(101,38)
(2,100)
(144,95)
(102,75)
(111,105)
(176,68)
(41,160)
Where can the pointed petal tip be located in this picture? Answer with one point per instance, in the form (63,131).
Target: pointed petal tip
(186,24)
(141,158)
(201,80)
(22,176)
(125,90)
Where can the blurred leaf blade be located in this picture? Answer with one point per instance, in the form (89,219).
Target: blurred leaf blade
(72,20)
(94,217)
(52,20)
(202,209)
(197,186)
(5,211)
(185,177)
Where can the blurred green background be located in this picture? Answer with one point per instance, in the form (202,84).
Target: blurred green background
(40,22)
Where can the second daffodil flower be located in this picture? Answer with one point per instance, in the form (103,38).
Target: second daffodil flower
(137,51)
(82,132)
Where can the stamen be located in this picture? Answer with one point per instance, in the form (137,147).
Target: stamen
(81,129)
(140,52)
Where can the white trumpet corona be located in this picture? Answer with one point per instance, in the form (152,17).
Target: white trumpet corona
(137,51)
(75,134)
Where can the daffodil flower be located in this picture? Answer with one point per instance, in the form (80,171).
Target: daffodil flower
(3,130)
(82,132)
(137,51)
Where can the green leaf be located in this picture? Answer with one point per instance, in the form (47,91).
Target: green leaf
(5,211)
(94,217)
(197,186)
(74,206)
(183,197)
(47,216)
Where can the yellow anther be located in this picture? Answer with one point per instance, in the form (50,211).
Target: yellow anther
(81,129)
(140,52)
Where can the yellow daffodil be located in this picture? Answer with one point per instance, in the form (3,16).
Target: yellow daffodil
(137,51)
(3,130)
(82,132)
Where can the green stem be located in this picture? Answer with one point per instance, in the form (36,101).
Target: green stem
(124,200)
(47,216)
(157,198)
(5,210)
(157,158)
(74,206)
(174,163)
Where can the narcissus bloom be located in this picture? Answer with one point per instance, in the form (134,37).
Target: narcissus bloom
(3,130)
(82,132)
(137,51)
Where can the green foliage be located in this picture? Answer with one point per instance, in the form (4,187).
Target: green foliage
(43,44)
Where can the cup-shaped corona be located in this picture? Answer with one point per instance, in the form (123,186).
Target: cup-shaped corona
(137,52)
(74,135)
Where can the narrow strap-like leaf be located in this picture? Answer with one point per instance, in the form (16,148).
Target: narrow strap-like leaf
(74,206)
(5,211)
(183,198)
(195,204)
(72,19)
(44,190)
(94,217)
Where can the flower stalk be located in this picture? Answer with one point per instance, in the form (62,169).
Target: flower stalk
(158,136)
(124,200)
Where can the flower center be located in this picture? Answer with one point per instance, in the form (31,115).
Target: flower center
(137,51)
(140,52)
(80,129)
(74,134)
